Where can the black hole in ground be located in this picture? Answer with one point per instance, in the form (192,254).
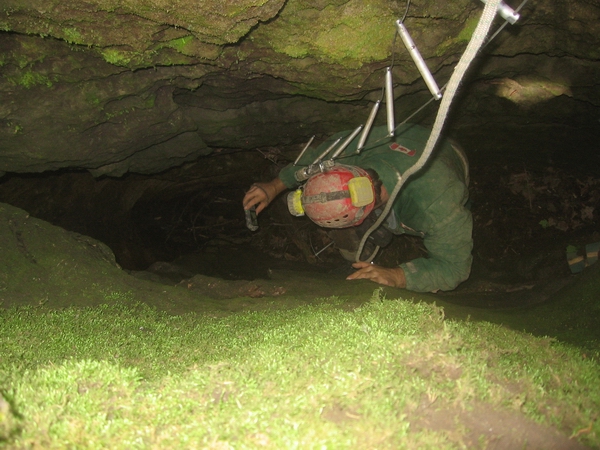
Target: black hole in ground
(525,214)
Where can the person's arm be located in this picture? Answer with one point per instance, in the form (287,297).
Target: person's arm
(448,263)
(261,194)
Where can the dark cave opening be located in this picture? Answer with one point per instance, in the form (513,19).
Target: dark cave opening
(189,220)
(526,114)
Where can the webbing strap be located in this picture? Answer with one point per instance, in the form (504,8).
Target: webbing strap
(325,197)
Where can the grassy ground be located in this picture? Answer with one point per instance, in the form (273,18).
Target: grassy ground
(389,374)
(92,357)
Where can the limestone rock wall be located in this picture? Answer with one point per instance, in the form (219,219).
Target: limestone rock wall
(140,86)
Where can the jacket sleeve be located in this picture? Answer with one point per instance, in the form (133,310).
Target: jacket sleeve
(434,205)
(287,174)
(449,245)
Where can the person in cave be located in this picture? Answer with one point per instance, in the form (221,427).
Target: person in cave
(431,204)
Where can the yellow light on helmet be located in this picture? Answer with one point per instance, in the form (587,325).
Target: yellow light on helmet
(294,202)
(361,191)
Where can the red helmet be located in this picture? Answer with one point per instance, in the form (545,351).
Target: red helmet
(338,198)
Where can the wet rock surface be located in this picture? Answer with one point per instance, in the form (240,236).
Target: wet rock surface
(142,89)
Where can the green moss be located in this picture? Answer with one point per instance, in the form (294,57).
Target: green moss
(92,99)
(358,38)
(160,56)
(16,128)
(234,9)
(188,381)
(28,79)
(150,101)
(468,30)
(182,45)
(352,34)
(116,57)
(73,36)
(464,36)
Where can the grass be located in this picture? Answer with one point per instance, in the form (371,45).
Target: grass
(124,375)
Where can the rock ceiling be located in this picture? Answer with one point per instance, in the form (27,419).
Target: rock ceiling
(140,86)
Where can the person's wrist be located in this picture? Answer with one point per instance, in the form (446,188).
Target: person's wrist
(400,278)
(277,187)
(264,187)
(271,191)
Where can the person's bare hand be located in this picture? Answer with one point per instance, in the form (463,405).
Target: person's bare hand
(386,276)
(261,194)
(257,196)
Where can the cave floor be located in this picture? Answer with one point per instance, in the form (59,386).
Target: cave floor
(564,307)
(520,278)
(526,216)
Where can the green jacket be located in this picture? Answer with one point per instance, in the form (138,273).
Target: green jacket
(431,204)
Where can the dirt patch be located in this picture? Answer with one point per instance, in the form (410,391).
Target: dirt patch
(483,426)
(47,266)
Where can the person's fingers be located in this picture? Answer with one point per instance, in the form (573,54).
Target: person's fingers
(248,201)
(365,270)
(377,274)
(370,274)
(355,276)
(265,188)
(260,206)
(253,197)
(260,195)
